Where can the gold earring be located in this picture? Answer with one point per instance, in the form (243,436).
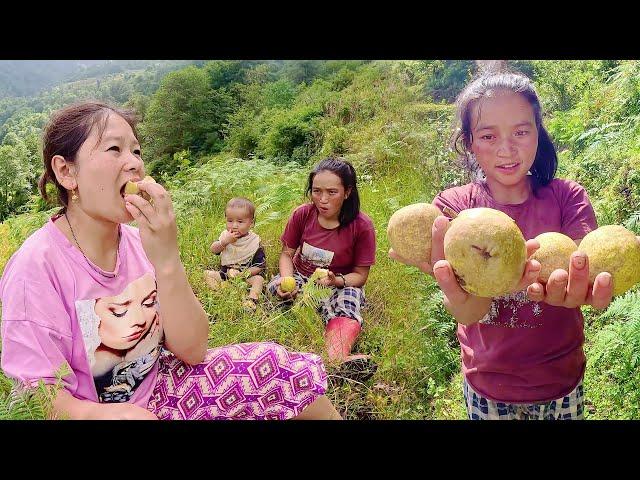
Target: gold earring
(74,196)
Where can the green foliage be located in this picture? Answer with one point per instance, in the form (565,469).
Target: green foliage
(184,113)
(612,376)
(447,78)
(32,403)
(15,176)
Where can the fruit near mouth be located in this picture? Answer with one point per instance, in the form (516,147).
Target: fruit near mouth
(131,188)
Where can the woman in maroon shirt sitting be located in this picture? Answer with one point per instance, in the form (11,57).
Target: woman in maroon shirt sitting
(332,233)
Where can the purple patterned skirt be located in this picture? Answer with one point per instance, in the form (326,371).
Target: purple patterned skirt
(247,381)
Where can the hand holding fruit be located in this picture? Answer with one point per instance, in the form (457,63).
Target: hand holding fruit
(480,245)
(156,222)
(287,287)
(326,278)
(607,263)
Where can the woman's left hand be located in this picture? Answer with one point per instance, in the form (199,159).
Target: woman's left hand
(328,281)
(572,289)
(157,224)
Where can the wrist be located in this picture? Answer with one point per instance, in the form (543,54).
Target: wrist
(471,311)
(169,267)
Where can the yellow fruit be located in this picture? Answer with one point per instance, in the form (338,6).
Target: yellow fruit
(613,249)
(321,273)
(486,250)
(554,252)
(131,188)
(409,231)
(288,284)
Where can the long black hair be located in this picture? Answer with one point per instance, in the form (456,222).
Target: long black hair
(494,78)
(343,169)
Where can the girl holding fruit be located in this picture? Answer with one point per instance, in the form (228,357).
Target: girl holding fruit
(522,355)
(331,233)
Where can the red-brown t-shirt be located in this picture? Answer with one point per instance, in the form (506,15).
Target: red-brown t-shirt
(524,351)
(338,249)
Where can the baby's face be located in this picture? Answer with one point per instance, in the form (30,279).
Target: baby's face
(238,220)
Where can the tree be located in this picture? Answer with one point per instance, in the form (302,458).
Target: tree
(185,113)
(15,175)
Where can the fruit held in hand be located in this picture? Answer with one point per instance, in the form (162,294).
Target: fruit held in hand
(131,188)
(288,284)
(409,231)
(321,273)
(486,251)
(554,252)
(613,249)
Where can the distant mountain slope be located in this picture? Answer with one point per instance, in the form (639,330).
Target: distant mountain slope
(19,78)
(23,78)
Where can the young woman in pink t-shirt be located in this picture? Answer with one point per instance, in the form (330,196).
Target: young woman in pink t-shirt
(114,303)
(521,354)
(332,233)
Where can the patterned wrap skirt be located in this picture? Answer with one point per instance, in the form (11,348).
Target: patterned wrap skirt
(247,381)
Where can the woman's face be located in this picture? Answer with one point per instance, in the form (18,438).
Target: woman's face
(328,194)
(104,165)
(505,137)
(126,318)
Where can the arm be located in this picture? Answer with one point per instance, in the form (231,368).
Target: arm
(225,239)
(255,271)
(285,263)
(65,405)
(184,320)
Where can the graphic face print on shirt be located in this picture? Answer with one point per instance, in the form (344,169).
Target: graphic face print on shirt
(123,336)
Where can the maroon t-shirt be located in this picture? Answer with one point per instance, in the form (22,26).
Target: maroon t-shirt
(524,351)
(338,249)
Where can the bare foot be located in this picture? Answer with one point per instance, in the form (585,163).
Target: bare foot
(212,278)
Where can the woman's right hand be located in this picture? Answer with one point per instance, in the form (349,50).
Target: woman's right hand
(465,307)
(286,295)
(119,411)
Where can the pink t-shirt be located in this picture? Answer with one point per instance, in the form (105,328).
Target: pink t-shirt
(56,308)
(338,249)
(524,351)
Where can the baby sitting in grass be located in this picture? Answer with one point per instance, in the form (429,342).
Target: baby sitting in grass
(240,250)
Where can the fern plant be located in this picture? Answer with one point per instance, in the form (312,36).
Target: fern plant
(34,403)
